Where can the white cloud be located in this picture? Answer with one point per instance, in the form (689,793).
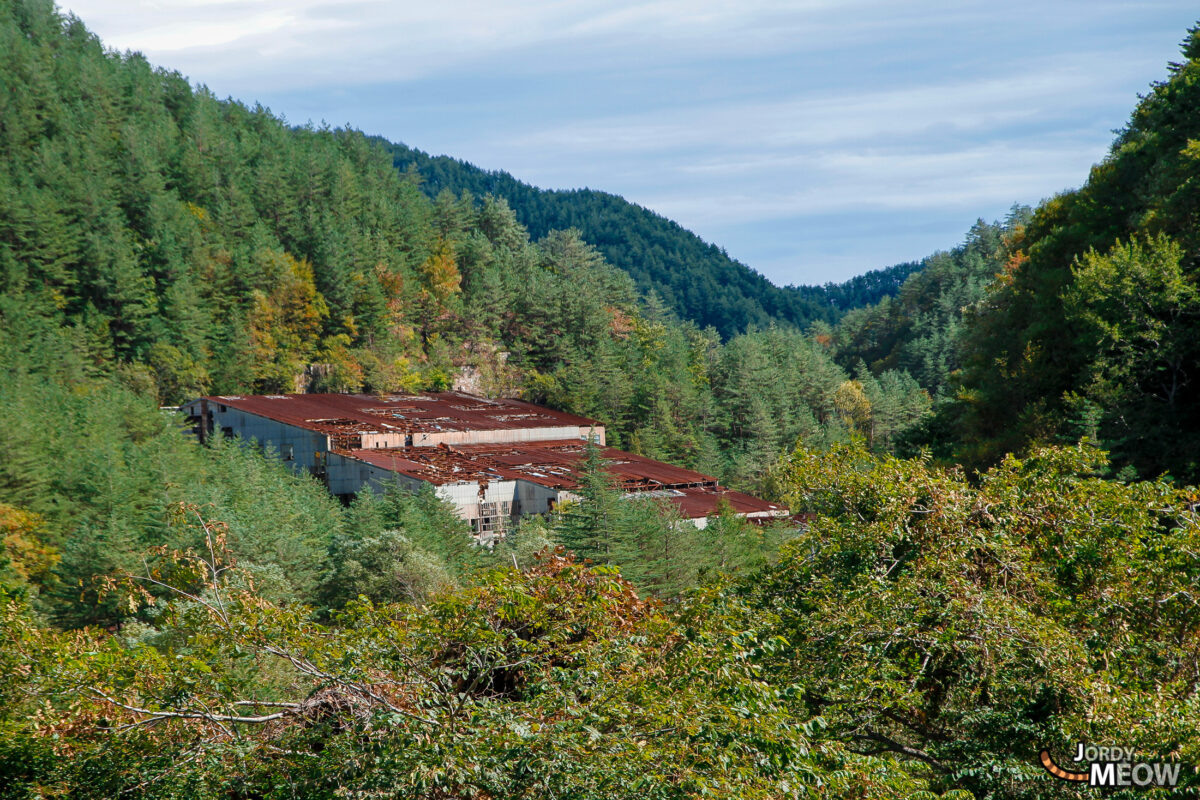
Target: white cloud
(915,147)
(821,118)
(347,42)
(170,38)
(980,178)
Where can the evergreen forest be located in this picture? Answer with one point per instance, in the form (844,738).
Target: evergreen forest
(696,280)
(990,455)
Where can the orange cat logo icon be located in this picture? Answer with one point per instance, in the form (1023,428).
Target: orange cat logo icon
(1059,772)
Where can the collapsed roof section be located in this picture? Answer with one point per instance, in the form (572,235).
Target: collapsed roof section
(556,463)
(436,465)
(706,501)
(560,465)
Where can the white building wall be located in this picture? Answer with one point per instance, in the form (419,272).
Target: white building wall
(465,496)
(371,441)
(508,435)
(350,475)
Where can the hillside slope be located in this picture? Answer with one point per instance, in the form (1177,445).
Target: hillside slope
(185,245)
(1094,328)
(695,279)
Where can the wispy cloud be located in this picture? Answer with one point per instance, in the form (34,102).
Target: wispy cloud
(985,142)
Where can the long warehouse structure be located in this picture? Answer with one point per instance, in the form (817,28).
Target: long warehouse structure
(495,460)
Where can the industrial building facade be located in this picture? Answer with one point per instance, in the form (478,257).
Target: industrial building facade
(495,460)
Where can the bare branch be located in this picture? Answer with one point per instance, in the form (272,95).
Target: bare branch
(891,745)
(191,714)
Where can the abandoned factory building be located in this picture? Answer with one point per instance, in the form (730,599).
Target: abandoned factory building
(495,460)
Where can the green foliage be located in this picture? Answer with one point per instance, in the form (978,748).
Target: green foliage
(1133,308)
(967,627)
(200,246)
(595,526)
(922,635)
(383,567)
(1098,279)
(695,280)
(101,468)
(398,547)
(552,683)
(660,553)
(918,330)
(643,535)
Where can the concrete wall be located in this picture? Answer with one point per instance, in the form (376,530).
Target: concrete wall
(534,498)
(506,436)
(370,441)
(465,496)
(348,476)
(297,447)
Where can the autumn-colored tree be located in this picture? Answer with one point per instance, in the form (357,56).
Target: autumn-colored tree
(285,323)
(555,682)
(853,407)
(27,558)
(440,270)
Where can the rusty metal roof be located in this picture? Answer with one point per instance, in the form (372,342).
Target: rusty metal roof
(703,502)
(436,465)
(407,414)
(558,464)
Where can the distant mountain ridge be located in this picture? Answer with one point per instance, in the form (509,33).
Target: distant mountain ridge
(696,280)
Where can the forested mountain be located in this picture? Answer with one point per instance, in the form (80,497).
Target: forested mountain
(1094,327)
(920,329)
(187,620)
(1078,319)
(157,243)
(696,280)
(191,245)
(870,287)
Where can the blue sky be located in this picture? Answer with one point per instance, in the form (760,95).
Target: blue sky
(812,139)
